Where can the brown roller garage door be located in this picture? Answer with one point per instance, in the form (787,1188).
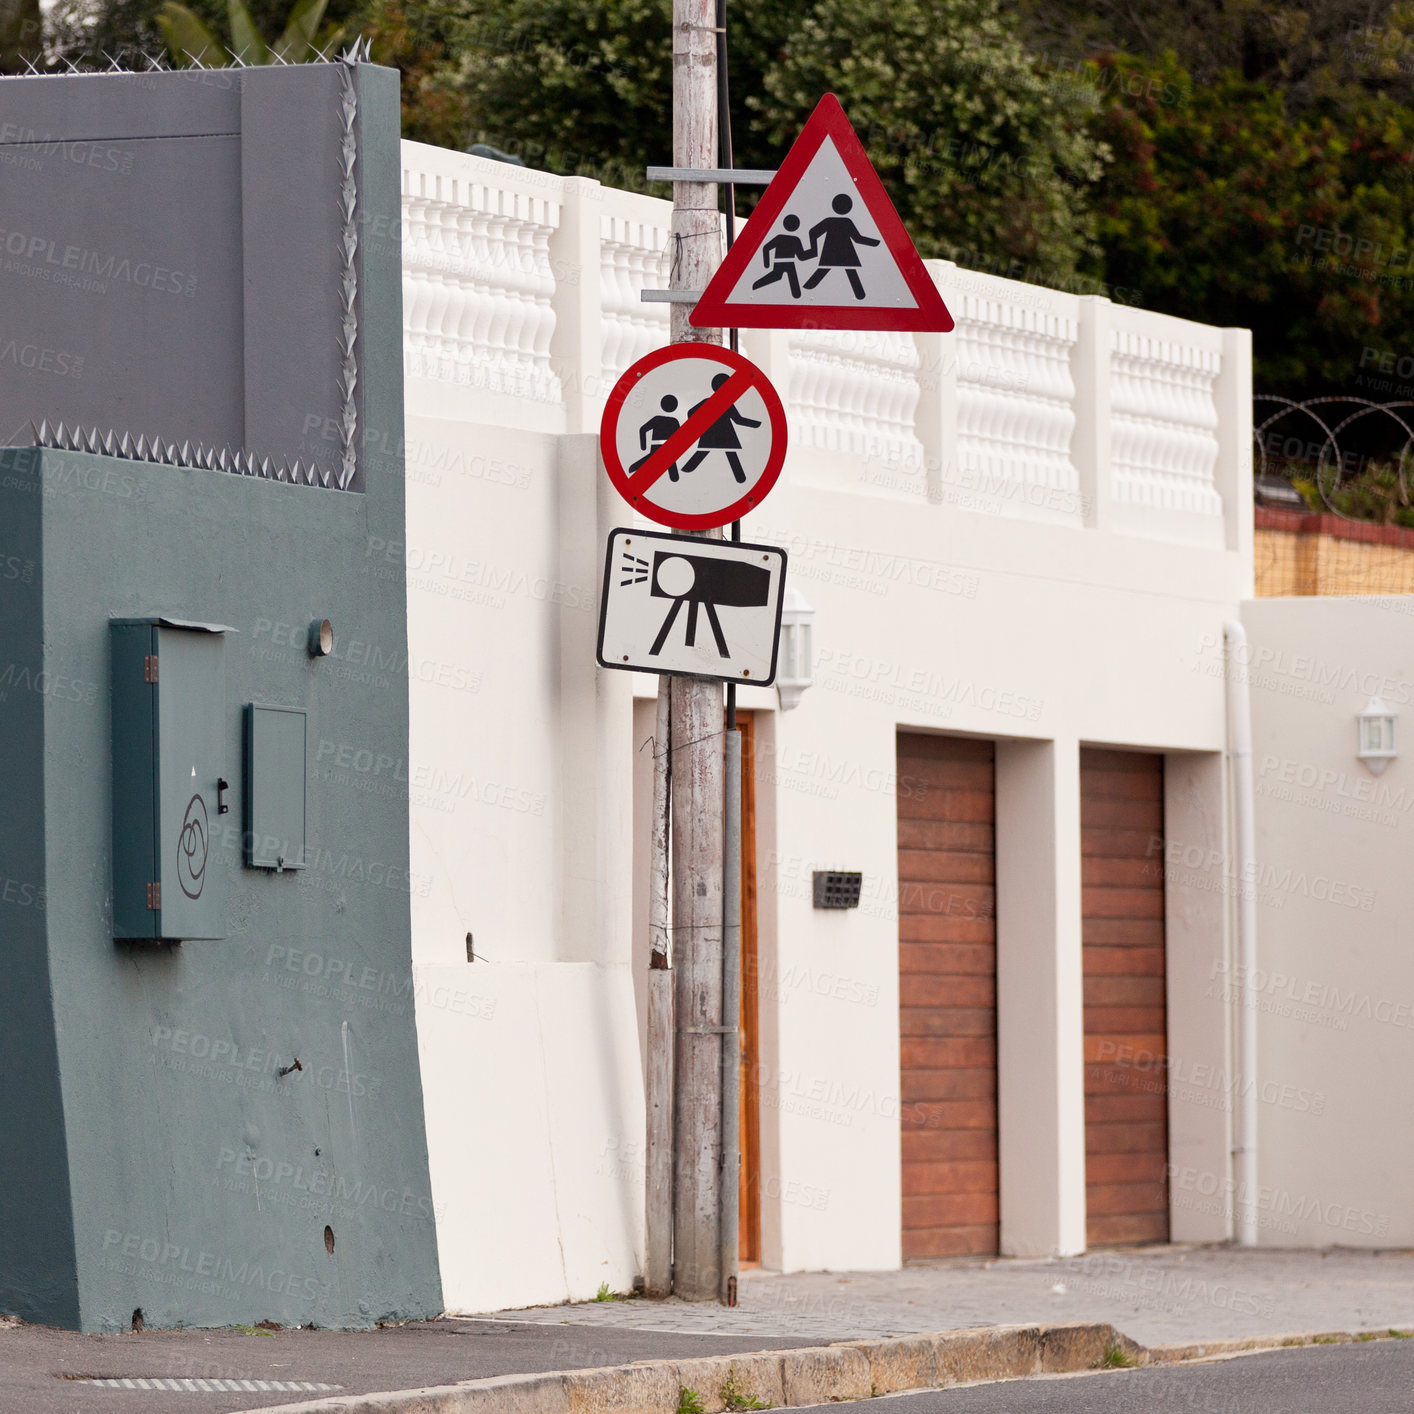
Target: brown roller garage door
(947,994)
(1126,1100)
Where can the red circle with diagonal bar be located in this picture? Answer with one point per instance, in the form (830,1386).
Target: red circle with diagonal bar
(693,436)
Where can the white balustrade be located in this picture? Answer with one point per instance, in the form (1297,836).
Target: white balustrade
(1016,399)
(855,392)
(633,256)
(1003,423)
(477,282)
(1164,419)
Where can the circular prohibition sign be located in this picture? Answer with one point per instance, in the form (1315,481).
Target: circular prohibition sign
(693,436)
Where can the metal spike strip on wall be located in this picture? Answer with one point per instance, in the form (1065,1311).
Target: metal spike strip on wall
(197,456)
(125,62)
(348,325)
(244,463)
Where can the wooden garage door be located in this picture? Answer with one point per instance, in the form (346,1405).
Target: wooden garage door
(1126,1099)
(947,994)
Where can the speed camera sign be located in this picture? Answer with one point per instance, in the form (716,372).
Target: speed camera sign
(678,604)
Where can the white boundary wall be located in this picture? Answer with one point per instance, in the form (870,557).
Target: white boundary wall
(1031,530)
(1333,988)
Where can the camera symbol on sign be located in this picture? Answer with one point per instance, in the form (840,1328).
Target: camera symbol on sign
(701,582)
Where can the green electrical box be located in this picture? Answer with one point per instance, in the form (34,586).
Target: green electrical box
(170,786)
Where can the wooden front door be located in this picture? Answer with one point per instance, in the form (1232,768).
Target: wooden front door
(1126,1094)
(947,994)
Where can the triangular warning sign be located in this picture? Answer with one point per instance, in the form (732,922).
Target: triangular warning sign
(825,248)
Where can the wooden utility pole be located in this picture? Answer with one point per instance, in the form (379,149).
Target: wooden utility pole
(696,728)
(729,1234)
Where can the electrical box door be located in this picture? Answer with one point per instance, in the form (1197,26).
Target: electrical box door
(170,779)
(276,769)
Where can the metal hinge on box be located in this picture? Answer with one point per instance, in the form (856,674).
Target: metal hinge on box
(154,897)
(149,668)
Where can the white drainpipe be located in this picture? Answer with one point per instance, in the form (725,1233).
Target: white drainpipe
(1239,754)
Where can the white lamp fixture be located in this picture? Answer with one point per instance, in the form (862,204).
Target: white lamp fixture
(1376,735)
(796,669)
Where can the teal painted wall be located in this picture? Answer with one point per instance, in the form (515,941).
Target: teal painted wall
(200,1182)
(37,1268)
(154,1160)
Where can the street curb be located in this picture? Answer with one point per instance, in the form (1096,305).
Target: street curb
(825,1374)
(822,1374)
(1248,1345)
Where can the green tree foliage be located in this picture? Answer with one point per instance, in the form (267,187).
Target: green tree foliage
(189,40)
(980,151)
(20,34)
(422,40)
(586,85)
(87,32)
(983,155)
(1222,205)
(1309,49)
(572,85)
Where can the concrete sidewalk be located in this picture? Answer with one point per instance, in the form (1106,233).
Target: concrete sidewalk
(41,1369)
(1155,1295)
(1159,1297)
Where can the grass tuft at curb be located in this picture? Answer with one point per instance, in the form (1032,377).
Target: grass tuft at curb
(776,1379)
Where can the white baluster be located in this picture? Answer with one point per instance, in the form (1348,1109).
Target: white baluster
(478,287)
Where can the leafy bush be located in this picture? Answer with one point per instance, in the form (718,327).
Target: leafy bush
(1220,205)
(1376,494)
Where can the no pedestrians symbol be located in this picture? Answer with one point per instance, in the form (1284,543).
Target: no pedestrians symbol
(824,248)
(693,436)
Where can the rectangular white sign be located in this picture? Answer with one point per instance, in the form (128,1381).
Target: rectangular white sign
(680,604)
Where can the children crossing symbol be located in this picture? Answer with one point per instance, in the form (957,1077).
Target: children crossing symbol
(704,469)
(854,266)
(832,243)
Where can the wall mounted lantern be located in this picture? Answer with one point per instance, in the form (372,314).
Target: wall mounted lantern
(1377,748)
(796,669)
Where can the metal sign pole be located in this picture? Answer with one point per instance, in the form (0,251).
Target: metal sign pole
(731,1013)
(696,727)
(658,1188)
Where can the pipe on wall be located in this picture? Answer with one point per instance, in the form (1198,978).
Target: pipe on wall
(729,1229)
(658,1187)
(1239,754)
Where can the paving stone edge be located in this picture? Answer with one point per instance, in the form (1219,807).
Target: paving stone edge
(781,1379)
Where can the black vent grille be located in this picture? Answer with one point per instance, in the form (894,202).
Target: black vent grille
(834,889)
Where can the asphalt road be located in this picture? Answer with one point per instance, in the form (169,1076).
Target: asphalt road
(1373,1378)
(37,1364)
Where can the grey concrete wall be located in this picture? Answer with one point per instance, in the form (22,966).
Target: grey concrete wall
(170,255)
(155,1159)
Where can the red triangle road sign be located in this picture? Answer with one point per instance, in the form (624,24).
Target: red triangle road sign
(824,248)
